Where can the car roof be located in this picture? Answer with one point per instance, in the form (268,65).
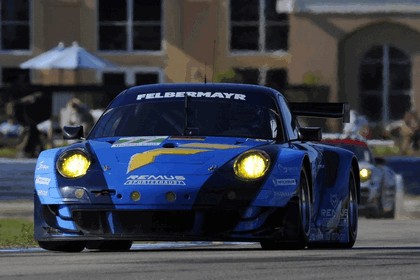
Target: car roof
(254,93)
(202,86)
(346,141)
(340,138)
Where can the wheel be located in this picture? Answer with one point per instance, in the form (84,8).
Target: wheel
(391,213)
(110,245)
(390,209)
(352,212)
(63,246)
(301,213)
(381,202)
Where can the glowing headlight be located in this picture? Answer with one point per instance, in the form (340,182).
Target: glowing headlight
(73,164)
(365,174)
(251,165)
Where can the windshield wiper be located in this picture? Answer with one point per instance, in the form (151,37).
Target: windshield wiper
(188,131)
(186,101)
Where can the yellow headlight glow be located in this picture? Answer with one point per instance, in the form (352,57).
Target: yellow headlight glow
(251,165)
(365,174)
(73,164)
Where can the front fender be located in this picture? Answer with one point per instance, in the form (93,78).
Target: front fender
(282,183)
(45,178)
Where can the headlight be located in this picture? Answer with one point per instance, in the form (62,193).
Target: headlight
(73,164)
(251,165)
(365,174)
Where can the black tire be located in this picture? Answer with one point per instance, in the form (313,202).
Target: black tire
(303,217)
(63,246)
(390,214)
(352,208)
(380,206)
(110,245)
(352,213)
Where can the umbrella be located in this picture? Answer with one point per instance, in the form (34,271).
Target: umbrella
(70,58)
(43,60)
(76,57)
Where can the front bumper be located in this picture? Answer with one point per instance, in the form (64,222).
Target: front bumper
(81,222)
(369,196)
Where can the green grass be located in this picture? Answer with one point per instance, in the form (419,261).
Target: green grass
(383,151)
(8,152)
(16,233)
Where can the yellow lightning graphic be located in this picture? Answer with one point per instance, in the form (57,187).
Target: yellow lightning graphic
(140,160)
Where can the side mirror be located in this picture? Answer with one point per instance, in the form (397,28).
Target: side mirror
(310,133)
(73,132)
(380,161)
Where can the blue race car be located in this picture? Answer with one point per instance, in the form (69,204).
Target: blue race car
(207,162)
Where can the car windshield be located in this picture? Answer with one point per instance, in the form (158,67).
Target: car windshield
(198,117)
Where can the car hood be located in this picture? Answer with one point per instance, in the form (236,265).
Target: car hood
(367,165)
(167,157)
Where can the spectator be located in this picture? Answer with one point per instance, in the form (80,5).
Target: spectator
(410,132)
(358,125)
(10,132)
(24,109)
(77,113)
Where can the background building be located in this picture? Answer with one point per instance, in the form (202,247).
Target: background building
(365,52)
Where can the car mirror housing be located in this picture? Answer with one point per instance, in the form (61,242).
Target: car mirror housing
(73,132)
(310,133)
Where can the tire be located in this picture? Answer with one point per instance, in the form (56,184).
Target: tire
(63,246)
(390,214)
(380,206)
(110,245)
(301,213)
(352,212)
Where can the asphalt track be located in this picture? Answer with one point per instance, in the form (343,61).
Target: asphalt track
(385,249)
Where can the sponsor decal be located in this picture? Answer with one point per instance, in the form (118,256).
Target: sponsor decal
(42,166)
(288,169)
(333,236)
(318,235)
(42,180)
(284,182)
(284,194)
(139,141)
(178,94)
(155,180)
(42,192)
(334,200)
(142,159)
(328,213)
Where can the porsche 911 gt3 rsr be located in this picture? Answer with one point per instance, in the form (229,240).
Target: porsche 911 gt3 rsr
(207,162)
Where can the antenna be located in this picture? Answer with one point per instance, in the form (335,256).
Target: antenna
(214,59)
(205,73)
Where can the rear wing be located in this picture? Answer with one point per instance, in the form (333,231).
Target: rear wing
(321,110)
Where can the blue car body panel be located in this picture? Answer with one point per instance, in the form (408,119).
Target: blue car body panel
(208,201)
